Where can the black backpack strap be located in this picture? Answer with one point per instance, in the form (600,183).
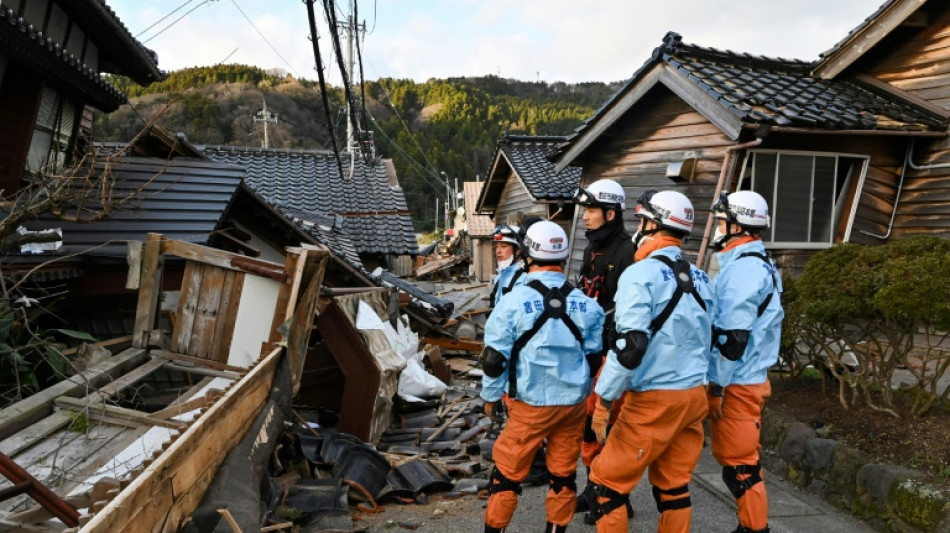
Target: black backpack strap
(765,303)
(555,306)
(684,284)
(511,282)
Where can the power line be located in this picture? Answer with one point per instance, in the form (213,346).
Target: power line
(176,21)
(159,21)
(323,85)
(425,173)
(249,21)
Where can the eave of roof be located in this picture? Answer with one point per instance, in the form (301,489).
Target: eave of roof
(28,47)
(862,38)
(120,52)
(732,90)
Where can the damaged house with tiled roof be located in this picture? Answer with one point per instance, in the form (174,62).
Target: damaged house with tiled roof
(366,201)
(522,182)
(832,150)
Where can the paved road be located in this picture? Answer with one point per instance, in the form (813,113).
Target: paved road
(791,511)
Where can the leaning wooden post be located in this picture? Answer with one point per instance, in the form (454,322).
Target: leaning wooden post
(150,288)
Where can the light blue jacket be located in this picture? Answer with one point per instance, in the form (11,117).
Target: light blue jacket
(677,357)
(741,286)
(551,369)
(504,278)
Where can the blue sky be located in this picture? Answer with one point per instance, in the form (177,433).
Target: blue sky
(550,40)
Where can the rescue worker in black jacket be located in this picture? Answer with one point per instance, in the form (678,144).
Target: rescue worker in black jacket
(609,252)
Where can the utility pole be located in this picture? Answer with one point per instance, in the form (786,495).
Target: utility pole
(264,116)
(435,228)
(353,28)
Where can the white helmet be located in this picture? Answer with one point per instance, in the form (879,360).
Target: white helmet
(546,241)
(670,209)
(507,234)
(745,208)
(604,193)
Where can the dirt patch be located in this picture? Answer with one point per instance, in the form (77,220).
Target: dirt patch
(918,443)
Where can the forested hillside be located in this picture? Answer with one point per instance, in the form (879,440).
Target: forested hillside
(427,128)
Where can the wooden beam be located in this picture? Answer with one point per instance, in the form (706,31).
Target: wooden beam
(231,261)
(106,413)
(196,361)
(150,287)
(101,344)
(617,109)
(871,33)
(702,102)
(201,371)
(454,344)
(39,405)
(171,487)
(34,433)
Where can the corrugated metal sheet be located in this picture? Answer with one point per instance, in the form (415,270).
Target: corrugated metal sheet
(181,199)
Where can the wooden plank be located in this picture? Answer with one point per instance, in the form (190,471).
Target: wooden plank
(146,311)
(224,328)
(31,434)
(302,324)
(230,318)
(39,405)
(211,256)
(101,344)
(114,387)
(453,344)
(702,102)
(174,483)
(182,407)
(283,295)
(171,356)
(206,314)
(104,412)
(134,259)
(187,306)
(201,371)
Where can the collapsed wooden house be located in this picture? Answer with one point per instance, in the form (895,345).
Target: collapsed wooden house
(93,460)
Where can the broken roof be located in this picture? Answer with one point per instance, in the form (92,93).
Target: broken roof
(184,199)
(732,89)
(527,157)
(374,213)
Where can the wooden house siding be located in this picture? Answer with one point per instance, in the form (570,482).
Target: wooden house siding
(516,200)
(921,66)
(636,151)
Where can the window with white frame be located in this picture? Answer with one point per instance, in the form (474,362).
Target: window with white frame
(807,194)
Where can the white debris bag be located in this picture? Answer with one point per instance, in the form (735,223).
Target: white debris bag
(415,381)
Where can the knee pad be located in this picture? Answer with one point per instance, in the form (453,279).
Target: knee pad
(497,482)
(677,503)
(614,500)
(730,475)
(559,483)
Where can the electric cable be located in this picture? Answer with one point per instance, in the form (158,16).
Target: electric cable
(249,21)
(323,85)
(159,21)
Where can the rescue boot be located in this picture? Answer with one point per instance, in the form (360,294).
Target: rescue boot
(743,529)
(585,496)
(554,528)
(489,529)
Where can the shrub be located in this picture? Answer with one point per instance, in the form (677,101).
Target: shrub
(865,312)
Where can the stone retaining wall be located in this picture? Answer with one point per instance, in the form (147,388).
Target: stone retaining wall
(889,497)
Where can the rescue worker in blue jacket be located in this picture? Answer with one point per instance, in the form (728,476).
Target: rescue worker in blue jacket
(536,343)
(747,331)
(660,359)
(508,256)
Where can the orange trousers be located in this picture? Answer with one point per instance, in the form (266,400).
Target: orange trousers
(590,448)
(735,441)
(514,450)
(659,429)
